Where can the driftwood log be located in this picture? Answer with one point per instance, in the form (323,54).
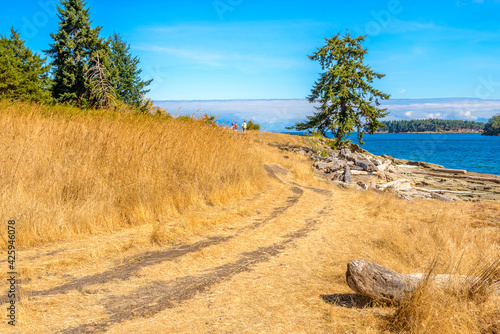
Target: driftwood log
(447,170)
(478,178)
(441,197)
(347,175)
(401,184)
(384,166)
(376,281)
(444,191)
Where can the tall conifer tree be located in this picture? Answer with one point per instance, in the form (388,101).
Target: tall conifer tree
(75,46)
(23,74)
(129,84)
(347,101)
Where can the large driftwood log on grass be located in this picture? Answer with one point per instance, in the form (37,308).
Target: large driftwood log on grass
(376,281)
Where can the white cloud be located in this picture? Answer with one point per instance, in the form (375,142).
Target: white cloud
(436,115)
(275,115)
(465,109)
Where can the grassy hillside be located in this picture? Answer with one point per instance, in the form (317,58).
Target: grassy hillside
(67,172)
(132,223)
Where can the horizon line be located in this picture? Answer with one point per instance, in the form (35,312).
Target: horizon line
(295,99)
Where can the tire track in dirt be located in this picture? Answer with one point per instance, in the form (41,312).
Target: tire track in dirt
(149,300)
(134,264)
(273,170)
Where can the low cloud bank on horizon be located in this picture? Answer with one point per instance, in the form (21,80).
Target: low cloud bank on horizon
(276,115)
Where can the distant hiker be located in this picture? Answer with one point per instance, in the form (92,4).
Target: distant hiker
(235,126)
(244,126)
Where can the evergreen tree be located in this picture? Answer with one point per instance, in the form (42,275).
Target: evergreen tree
(253,126)
(74,51)
(492,127)
(347,100)
(23,74)
(129,85)
(431,125)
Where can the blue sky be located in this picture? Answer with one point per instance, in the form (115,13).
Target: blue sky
(254,49)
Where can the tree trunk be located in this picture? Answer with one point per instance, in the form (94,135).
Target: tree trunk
(347,175)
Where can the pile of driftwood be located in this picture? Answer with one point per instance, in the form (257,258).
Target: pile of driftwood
(354,167)
(344,163)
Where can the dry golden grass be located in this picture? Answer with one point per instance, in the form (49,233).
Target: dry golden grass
(459,308)
(67,172)
(283,295)
(141,183)
(409,237)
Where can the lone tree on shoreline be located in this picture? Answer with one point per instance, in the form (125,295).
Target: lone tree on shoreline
(347,100)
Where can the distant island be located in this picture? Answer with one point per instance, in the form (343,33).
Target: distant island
(431,125)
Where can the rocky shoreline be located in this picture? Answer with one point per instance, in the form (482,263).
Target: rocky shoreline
(356,168)
(431,132)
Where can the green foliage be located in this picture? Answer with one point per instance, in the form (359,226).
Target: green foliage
(430,125)
(128,83)
(492,127)
(347,100)
(208,120)
(148,108)
(87,70)
(253,126)
(317,142)
(23,74)
(315,133)
(73,52)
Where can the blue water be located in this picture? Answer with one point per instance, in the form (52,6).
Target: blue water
(469,151)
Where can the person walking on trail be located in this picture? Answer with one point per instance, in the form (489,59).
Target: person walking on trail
(235,127)
(244,126)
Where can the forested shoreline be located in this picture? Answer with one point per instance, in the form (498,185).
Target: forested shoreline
(431,125)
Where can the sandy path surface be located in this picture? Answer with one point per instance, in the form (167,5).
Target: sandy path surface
(270,263)
(152,286)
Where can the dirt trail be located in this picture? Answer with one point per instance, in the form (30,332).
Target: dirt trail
(151,299)
(156,295)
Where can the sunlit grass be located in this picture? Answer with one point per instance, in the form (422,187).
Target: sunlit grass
(67,172)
